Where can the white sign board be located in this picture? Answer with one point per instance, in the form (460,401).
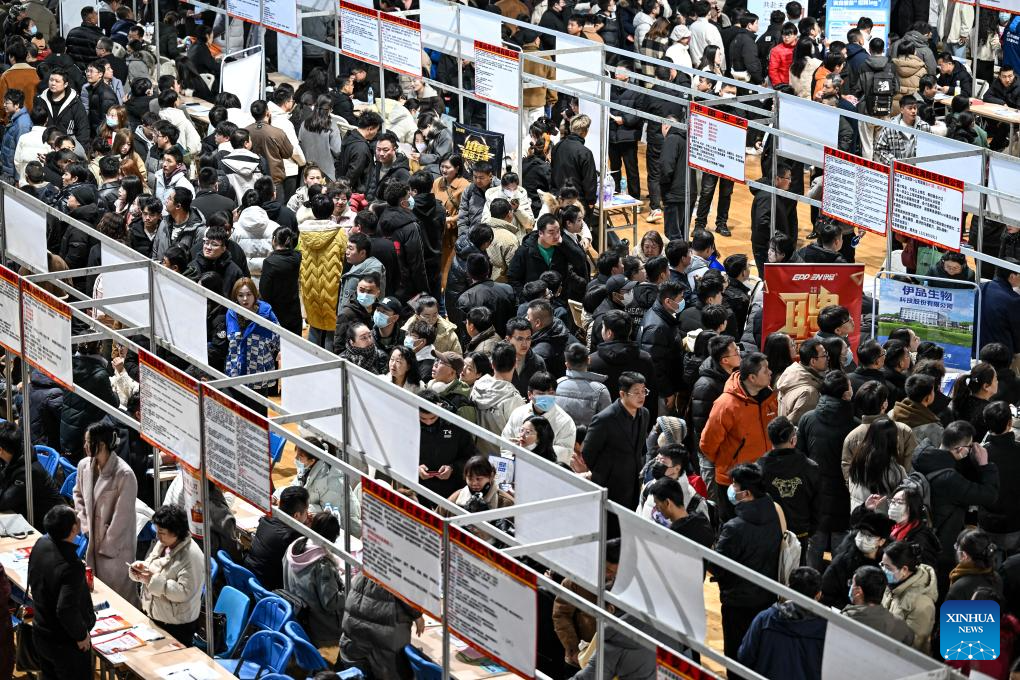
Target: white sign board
(170,418)
(46,324)
(359,32)
(382,427)
(583,56)
(717,142)
(968,168)
(493,603)
(927,206)
(311,391)
(497,75)
(844,651)
(855,191)
(126,282)
(598,137)
(808,120)
(280,15)
(646,581)
(25,231)
(401,44)
(180,314)
(1004,176)
(10,311)
(236,442)
(70,13)
(192,500)
(438,15)
(247,10)
(402,546)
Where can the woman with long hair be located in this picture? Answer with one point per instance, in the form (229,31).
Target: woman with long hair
(803,68)
(115,121)
(874,468)
(279,285)
(403,365)
(976,562)
(971,394)
(448,189)
(781,351)
(711,63)
(476,364)
(251,348)
(655,44)
(320,138)
(651,245)
(123,146)
(906,508)
(126,205)
(536,435)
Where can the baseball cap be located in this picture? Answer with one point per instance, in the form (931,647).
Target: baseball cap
(619,282)
(452,359)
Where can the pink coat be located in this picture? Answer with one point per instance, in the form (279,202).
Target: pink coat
(105,504)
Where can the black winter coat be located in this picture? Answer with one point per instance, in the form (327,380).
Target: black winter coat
(1003,516)
(737,297)
(813,253)
(896,383)
(550,343)
(68,115)
(431,218)
(400,227)
(1000,94)
(81,44)
(821,433)
(47,402)
(761,221)
(672,178)
(614,451)
(457,280)
(660,337)
(613,358)
(863,375)
(60,596)
(355,161)
(384,250)
(379,178)
(45,493)
(844,563)
(743,56)
(498,298)
(709,386)
(751,538)
(281,214)
(536,176)
(444,444)
(794,481)
(532,365)
(573,161)
(630,130)
(265,560)
(90,374)
(101,97)
(527,265)
(279,286)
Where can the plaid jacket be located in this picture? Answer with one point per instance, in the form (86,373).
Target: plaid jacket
(894,144)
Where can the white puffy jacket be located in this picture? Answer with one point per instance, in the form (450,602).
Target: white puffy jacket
(253,231)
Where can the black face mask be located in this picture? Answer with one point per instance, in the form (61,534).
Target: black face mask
(658,470)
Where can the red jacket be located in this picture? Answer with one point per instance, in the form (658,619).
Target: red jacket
(736,431)
(780,61)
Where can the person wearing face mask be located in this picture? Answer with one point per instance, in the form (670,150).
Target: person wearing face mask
(867,588)
(863,547)
(510,190)
(358,308)
(385,330)
(912,591)
(324,484)
(359,261)
(542,402)
(616,290)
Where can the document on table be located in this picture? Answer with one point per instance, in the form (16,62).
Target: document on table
(187,671)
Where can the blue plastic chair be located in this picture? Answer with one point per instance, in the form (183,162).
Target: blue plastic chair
(236,606)
(67,488)
(235,575)
(265,651)
(422,668)
(270,613)
(276,446)
(82,541)
(306,656)
(48,458)
(66,466)
(257,591)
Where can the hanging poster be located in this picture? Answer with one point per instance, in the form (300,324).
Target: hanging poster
(46,327)
(246,10)
(359,32)
(669,666)
(855,191)
(795,293)
(944,316)
(497,74)
(192,500)
(717,142)
(842,15)
(236,442)
(170,418)
(476,146)
(401,44)
(10,311)
(493,603)
(927,206)
(280,15)
(25,232)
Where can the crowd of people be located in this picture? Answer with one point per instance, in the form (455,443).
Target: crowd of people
(486,293)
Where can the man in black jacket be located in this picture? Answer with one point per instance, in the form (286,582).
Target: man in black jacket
(209,200)
(390,167)
(574,162)
(549,337)
(398,224)
(272,537)
(431,218)
(872,358)
(215,258)
(60,595)
(625,132)
(659,106)
(497,298)
(743,57)
(617,355)
(660,337)
(736,295)
(355,160)
(1001,520)
(529,261)
(669,500)
(67,113)
(613,449)
(82,40)
(45,493)
(952,75)
(792,479)
(554,20)
(761,217)
(1004,90)
(673,180)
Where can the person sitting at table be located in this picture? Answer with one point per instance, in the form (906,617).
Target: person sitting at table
(314,575)
(273,536)
(201,58)
(1004,91)
(61,600)
(104,498)
(172,576)
(45,493)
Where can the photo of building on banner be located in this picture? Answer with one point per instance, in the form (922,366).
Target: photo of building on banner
(795,293)
(944,316)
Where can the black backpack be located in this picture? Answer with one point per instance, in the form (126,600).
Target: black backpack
(881,89)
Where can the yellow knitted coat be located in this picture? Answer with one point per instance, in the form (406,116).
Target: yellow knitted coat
(323,244)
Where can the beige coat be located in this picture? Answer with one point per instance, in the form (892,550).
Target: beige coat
(906,443)
(803,85)
(174,594)
(105,504)
(523,218)
(913,601)
(909,69)
(506,238)
(446,335)
(798,391)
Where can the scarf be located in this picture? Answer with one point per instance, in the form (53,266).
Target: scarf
(967,569)
(901,531)
(364,357)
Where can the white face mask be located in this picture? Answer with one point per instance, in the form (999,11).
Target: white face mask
(866,544)
(897,512)
(421,146)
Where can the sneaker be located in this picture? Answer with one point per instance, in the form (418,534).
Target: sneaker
(655,215)
(723,230)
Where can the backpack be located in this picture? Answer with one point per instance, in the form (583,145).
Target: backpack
(789,556)
(703,506)
(921,484)
(881,88)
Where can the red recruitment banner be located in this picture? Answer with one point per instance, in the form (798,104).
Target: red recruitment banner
(671,667)
(10,299)
(795,293)
(858,191)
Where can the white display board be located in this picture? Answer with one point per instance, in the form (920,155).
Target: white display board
(809,120)
(966,168)
(70,13)
(402,546)
(244,76)
(311,391)
(25,231)
(650,559)
(438,15)
(844,651)
(716,142)
(535,483)
(583,55)
(280,15)
(493,603)
(126,282)
(382,427)
(497,75)
(170,410)
(597,136)
(46,325)
(400,39)
(180,315)
(1004,175)
(359,32)
(855,191)
(236,443)
(500,118)
(927,206)
(10,311)
(246,10)
(763,8)
(480,25)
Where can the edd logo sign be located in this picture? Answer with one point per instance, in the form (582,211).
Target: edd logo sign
(969,630)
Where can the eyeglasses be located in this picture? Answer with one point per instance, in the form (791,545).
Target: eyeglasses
(639,393)
(730,356)
(895,501)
